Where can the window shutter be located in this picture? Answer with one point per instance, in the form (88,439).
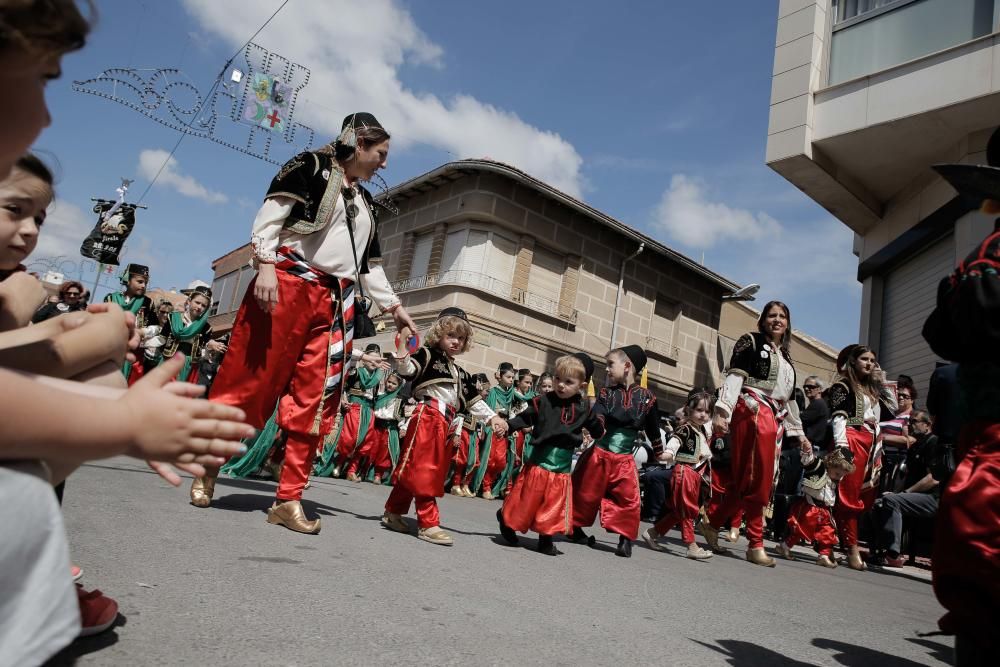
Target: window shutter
(421,255)
(545,277)
(454,244)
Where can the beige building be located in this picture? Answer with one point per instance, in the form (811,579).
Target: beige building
(865,97)
(810,355)
(542,274)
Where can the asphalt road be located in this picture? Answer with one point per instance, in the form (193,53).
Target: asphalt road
(222,587)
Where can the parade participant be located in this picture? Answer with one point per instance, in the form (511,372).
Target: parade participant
(858,399)
(605,477)
(189,331)
(466,461)
(811,518)
(545,384)
(493,448)
(70,301)
(314,237)
(357,437)
(542,497)
(755,409)
(691,455)
(721,481)
(521,440)
(964,328)
(133,300)
(442,389)
(384,454)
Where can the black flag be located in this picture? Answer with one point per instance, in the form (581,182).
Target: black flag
(108,236)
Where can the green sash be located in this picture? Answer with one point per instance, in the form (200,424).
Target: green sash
(184,333)
(134,307)
(618,440)
(496,399)
(257,451)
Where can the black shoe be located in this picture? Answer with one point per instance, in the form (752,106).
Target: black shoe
(506,531)
(624,547)
(546,547)
(580,537)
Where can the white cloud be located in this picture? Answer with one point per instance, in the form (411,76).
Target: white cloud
(66,225)
(150,161)
(355,52)
(687,215)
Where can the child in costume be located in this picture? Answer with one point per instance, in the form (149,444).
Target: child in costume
(133,299)
(524,392)
(545,383)
(189,332)
(689,450)
(605,477)
(493,448)
(357,437)
(442,389)
(811,516)
(384,454)
(466,461)
(542,497)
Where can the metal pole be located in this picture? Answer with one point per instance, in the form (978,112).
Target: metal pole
(97,279)
(621,288)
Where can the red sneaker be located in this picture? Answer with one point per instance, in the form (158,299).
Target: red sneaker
(97,612)
(76,572)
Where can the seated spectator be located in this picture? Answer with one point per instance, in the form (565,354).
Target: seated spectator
(919,497)
(896,437)
(816,416)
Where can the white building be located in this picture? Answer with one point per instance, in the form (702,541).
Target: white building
(866,95)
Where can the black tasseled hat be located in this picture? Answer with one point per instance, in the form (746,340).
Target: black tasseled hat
(588,364)
(636,355)
(359,120)
(504,367)
(977,182)
(373,348)
(452,311)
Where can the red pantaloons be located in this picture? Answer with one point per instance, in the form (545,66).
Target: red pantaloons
(461,461)
(610,483)
(424,459)
(849,494)
(541,501)
(809,523)
(496,463)
(966,556)
(721,480)
(685,494)
(349,450)
(755,439)
(292,357)
(378,454)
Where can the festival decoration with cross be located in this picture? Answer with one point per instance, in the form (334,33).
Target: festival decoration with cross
(250,107)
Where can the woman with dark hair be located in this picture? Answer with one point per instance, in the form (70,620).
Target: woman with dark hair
(70,300)
(756,409)
(315,246)
(857,401)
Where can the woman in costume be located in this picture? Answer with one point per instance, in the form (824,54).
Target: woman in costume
(858,401)
(755,409)
(314,238)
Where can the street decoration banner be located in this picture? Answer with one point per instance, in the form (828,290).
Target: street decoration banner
(105,241)
(266,102)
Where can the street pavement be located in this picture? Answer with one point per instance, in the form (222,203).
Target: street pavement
(222,587)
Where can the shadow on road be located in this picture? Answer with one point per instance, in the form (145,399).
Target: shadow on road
(88,645)
(747,654)
(937,650)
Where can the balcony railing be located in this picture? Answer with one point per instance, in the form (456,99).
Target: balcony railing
(488,284)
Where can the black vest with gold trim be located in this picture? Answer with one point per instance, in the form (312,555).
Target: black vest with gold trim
(690,444)
(752,359)
(434,367)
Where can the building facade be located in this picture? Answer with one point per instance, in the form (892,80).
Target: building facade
(865,97)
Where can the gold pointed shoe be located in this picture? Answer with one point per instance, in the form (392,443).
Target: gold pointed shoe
(733,535)
(456,490)
(854,560)
(784,551)
(201,491)
(650,538)
(712,537)
(488,496)
(395,522)
(291,515)
(467,492)
(435,535)
(758,556)
(826,561)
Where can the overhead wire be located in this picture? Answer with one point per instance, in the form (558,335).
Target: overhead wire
(205,98)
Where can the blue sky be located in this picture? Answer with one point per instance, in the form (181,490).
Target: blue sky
(655,114)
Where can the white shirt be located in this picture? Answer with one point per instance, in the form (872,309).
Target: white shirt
(839,423)
(446,393)
(784,386)
(328,250)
